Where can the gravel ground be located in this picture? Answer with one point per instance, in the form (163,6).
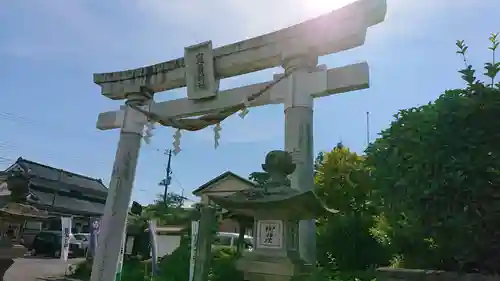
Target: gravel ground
(37,268)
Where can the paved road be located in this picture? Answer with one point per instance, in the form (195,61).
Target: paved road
(36,268)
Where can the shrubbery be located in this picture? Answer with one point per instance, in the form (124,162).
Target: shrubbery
(426,193)
(133,269)
(437,178)
(174,267)
(344,240)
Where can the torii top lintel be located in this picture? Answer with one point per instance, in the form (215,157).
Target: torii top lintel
(336,31)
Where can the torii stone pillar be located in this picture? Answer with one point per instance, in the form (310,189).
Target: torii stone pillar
(298,104)
(111,237)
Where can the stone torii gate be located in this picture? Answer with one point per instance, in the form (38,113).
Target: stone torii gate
(295,48)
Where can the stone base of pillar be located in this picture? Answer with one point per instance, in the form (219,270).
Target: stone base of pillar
(266,268)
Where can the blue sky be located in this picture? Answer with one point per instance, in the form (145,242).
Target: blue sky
(49,50)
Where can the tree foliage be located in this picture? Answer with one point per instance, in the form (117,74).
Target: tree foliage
(175,267)
(260,178)
(165,212)
(342,180)
(437,176)
(344,241)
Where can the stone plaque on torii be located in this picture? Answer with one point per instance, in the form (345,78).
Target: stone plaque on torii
(295,48)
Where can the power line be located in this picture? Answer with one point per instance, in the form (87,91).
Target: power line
(53,130)
(169,175)
(5,159)
(61,132)
(45,157)
(14,149)
(178,183)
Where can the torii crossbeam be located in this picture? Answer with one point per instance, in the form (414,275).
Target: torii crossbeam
(338,80)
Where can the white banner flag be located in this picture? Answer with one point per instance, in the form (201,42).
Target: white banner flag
(94,235)
(194,240)
(65,236)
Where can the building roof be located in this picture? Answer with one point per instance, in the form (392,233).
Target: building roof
(219,178)
(60,190)
(66,204)
(60,179)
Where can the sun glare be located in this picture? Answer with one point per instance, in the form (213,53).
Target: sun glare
(318,7)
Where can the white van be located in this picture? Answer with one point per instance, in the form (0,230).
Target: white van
(230,239)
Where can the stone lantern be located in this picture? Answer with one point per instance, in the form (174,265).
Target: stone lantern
(277,210)
(14,209)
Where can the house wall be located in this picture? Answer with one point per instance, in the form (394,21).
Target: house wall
(225,187)
(78,225)
(65,203)
(61,191)
(167,244)
(228,225)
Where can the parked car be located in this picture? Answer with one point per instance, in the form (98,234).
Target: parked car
(82,241)
(230,239)
(49,243)
(28,233)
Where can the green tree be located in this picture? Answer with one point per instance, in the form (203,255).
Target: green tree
(260,178)
(342,180)
(344,241)
(168,210)
(437,176)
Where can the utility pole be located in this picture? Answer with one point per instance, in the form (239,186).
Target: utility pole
(168,171)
